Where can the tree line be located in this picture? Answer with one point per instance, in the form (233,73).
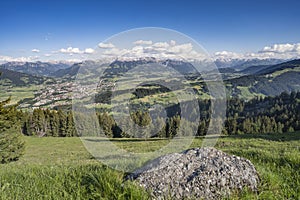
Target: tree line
(279,114)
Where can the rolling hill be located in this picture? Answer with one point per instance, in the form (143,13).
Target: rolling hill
(279,67)
(13,78)
(268,81)
(67,72)
(254,69)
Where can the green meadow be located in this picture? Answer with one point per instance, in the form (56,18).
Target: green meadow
(17,93)
(61,168)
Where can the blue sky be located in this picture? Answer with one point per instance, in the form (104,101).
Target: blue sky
(237,26)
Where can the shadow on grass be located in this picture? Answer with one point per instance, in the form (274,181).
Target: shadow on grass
(125,139)
(279,137)
(282,137)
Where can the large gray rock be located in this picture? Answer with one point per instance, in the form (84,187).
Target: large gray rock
(196,173)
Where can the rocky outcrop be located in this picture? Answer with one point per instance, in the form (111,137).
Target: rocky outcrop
(201,173)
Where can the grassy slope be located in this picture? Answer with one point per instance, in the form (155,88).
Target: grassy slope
(61,168)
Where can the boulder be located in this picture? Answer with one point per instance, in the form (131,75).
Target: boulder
(201,173)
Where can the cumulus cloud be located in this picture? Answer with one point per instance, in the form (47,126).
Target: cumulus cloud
(106,45)
(172,43)
(5,59)
(162,50)
(282,48)
(72,50)
(35,50)
(280,51)
(76,54)
(175,50)
(89,51)
(143,42)
(163,45)
(148,48)
(275,51)
(115,52)
(228,54)
(183,48)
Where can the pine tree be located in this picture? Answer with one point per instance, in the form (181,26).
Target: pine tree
(71,130)
(162,128)
(11,145)
(106,123)
(54,124)
(62,124)
(202,128)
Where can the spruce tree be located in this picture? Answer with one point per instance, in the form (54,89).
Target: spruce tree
(11,145)
(71,130)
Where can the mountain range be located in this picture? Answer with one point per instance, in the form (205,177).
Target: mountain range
(242,77)
(35,68)
(13,78)
(242,64)
(61,69)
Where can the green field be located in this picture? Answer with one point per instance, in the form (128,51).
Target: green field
(17,93)
(61,168)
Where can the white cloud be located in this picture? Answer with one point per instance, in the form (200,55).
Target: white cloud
(282,48)
(172,43)
(160,50)
(89,51)
(280,51)
(72,50)
(228,55)
(183,48)
(160,45)
(106,45)
(275,51)
(35,50)
(5,59)
(143,42)
(114,52)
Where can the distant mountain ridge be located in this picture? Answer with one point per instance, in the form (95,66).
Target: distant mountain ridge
(61,69)
(282,66)
(119,67)
(67,72)
(254,69)
(35,68)
(241,64)
(13,78)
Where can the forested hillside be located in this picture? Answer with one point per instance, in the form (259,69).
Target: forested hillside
(278,114)
(12,78)
(266,80)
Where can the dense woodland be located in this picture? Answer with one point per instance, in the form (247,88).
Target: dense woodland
(278,114)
